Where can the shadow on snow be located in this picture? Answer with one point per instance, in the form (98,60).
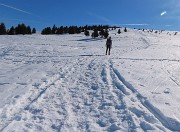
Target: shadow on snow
(90,39)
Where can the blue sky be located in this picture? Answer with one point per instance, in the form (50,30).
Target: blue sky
(156,14)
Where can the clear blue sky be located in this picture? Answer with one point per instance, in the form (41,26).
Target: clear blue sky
(157,14)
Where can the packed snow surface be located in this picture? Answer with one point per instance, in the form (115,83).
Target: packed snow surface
(67,83)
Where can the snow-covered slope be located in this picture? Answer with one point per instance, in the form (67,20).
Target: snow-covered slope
(67,83)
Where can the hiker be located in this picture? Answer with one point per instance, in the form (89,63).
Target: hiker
(108,45)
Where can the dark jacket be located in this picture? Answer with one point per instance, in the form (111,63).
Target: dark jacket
(109,42)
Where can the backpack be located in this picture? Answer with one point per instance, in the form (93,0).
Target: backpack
(109,41)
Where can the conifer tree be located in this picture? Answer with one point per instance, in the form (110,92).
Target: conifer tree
(60,30)
(119,31)
(43,32)
(95,33)
(54,29)
(125,30)
(48,30)
(33,31)
(11,31)
(106,33)
(101,33)
(23,29)
(28,30)
(65,29)
(71,30)
(77,29)
(18,30)
(2,29)
(86,32)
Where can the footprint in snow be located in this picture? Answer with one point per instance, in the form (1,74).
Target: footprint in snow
(17,96)
(167,91)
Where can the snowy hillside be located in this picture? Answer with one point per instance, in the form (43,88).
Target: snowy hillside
(67,83)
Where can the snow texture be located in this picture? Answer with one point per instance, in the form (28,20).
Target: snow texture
(67,83)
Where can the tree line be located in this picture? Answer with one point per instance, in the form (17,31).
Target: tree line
(71,29)
(103,33)
(98,30)
(19,29)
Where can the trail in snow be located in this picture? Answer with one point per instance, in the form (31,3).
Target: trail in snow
(155,113)
(68,85)
(110,97)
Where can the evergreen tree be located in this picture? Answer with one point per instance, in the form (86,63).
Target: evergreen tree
(20,29)
(86,32)
(33,31)
(106,33)
(77,30)
(28,30)
(65,29)
(43,32)
(23,29)
(46,31)
(119,31)
(92,35)
(81,29)
(95,33)
(2,29)
(60,30)
(54,29)
(101,33)
(11,31)
(71,30)
(125,30)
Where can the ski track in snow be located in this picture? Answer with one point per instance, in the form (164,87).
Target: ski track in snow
(155,115)
(85,93)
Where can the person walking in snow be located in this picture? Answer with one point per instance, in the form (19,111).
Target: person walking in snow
(108,45)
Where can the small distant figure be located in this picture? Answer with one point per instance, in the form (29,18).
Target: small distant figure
(108,45)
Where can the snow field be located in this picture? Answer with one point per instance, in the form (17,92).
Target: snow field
(66,83)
